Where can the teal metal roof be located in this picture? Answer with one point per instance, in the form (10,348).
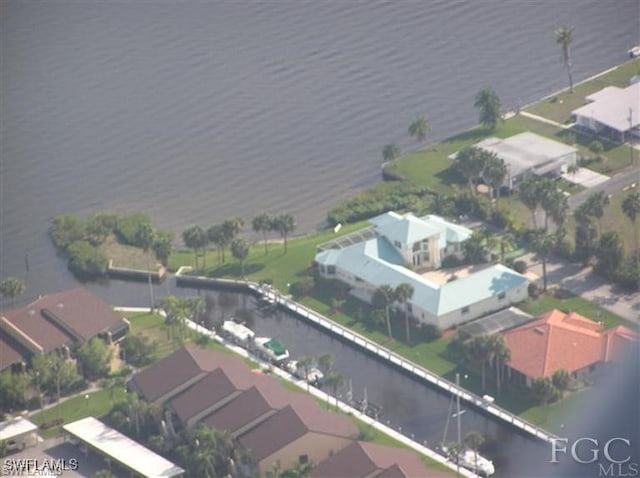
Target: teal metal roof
(449,232)
(377,263)
(407,230)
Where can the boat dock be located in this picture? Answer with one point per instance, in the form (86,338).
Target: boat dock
(483,404)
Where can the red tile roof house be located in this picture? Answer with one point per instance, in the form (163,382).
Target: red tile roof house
(274,424)
(369,460)
(56,321)
(563,341)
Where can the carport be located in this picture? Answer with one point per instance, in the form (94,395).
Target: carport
(131,455)
(20,431)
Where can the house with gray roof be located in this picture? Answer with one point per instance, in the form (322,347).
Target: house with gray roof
(401,252)
(612,111)
(528,154)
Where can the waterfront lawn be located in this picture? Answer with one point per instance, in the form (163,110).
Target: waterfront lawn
(282,268)
(555,416)
(124,255)
(98,405)
(592,311)
(559,107)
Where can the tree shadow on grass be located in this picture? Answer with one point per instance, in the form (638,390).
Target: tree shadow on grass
(475,134)
(233,269)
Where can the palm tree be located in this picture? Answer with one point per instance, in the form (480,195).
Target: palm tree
(488,104)
(145,236)
(501,355)
(403,294)
(543,245)
(325,363)
(12,287)
(194,238)
(419,129)
(473,248)
(215,234)
(284,224)
(390,153)
(495,172)
(564,37)
(478,350)
(557,208)
(469,162)
(240,250)
(595,205)
(528,193)
(505,242)
(383,298)
(454,450)
(305,363)
(631,208)
(547,196)
(334,381)
(163,246)
(474,440)
(573,170)
(230,230)
(262,223)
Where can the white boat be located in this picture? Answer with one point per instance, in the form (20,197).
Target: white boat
(467,458)
(634,52)
(238,333)
(271,349)
(314,375)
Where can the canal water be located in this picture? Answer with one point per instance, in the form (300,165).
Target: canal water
(410,406)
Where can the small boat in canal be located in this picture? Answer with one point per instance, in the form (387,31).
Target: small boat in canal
(271,349)
(238,333)
(313,375)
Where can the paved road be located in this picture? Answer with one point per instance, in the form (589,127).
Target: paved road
(616,183)
(581,281)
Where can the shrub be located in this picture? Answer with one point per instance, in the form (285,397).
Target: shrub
(302,287)
(450,262)
(85,260)
(520,266)
(66,230)
(534,290)
(127,227)
(503,219)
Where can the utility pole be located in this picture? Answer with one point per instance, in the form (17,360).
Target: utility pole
(630,136)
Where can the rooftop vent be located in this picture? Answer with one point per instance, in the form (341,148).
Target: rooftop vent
(60,305)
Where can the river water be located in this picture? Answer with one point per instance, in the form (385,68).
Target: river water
(197,111)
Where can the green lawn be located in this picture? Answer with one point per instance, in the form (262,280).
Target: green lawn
(575,304)
(282,268)
(559,107)
(97,405)
(553,417)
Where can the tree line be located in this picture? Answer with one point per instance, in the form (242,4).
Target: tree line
(226,236)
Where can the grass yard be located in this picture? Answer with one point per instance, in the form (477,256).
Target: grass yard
(575,304)
(282,268)
(126,256)
(98,404)
(553,417)
(559,107)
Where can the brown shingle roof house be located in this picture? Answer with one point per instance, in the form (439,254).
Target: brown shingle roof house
(370,460)
(298,434)
(57,320)
(563,341)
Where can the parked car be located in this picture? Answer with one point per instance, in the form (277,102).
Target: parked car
(14,445)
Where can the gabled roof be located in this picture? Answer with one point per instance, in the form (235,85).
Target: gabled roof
(215,387)
(291,423)
(618,341)
(449,232)
(363,460)
(63,318)
(611,106)
(179,368)
(561,341)
(10,351)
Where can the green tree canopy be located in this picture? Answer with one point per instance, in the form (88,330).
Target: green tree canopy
(488,104)
(12,287)
(419,128)
(65,230)
(95,356)
(564,38)
(390,152)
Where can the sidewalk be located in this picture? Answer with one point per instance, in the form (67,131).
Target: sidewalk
(582,282)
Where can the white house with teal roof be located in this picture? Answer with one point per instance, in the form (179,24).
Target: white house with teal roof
(406,249)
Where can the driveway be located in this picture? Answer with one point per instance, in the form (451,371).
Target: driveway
(585,177)
(582,282)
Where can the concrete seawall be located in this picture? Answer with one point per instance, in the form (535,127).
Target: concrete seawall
(375,349)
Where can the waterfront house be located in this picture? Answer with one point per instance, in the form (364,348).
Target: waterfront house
(613,112)
(59,321)
(369,460)
(557,340)
(527,154)
(403,249)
